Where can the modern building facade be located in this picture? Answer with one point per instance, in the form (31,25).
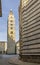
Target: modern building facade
(0,9)
(3,47)
(29,28)
(11,33)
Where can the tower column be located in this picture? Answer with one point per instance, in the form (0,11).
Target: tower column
(11,34)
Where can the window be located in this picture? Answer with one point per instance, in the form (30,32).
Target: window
(11,27)
(11,24)
(11,20)
(11,32)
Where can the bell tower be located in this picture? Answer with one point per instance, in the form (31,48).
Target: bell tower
(11,33)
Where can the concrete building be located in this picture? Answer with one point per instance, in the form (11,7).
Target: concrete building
(11,33)
(29,28)
(3,47)
(17,47)
(0,9)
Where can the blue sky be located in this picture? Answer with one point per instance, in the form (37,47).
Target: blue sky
(6,6)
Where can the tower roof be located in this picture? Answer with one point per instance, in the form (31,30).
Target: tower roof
(11,11)
(11,15)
